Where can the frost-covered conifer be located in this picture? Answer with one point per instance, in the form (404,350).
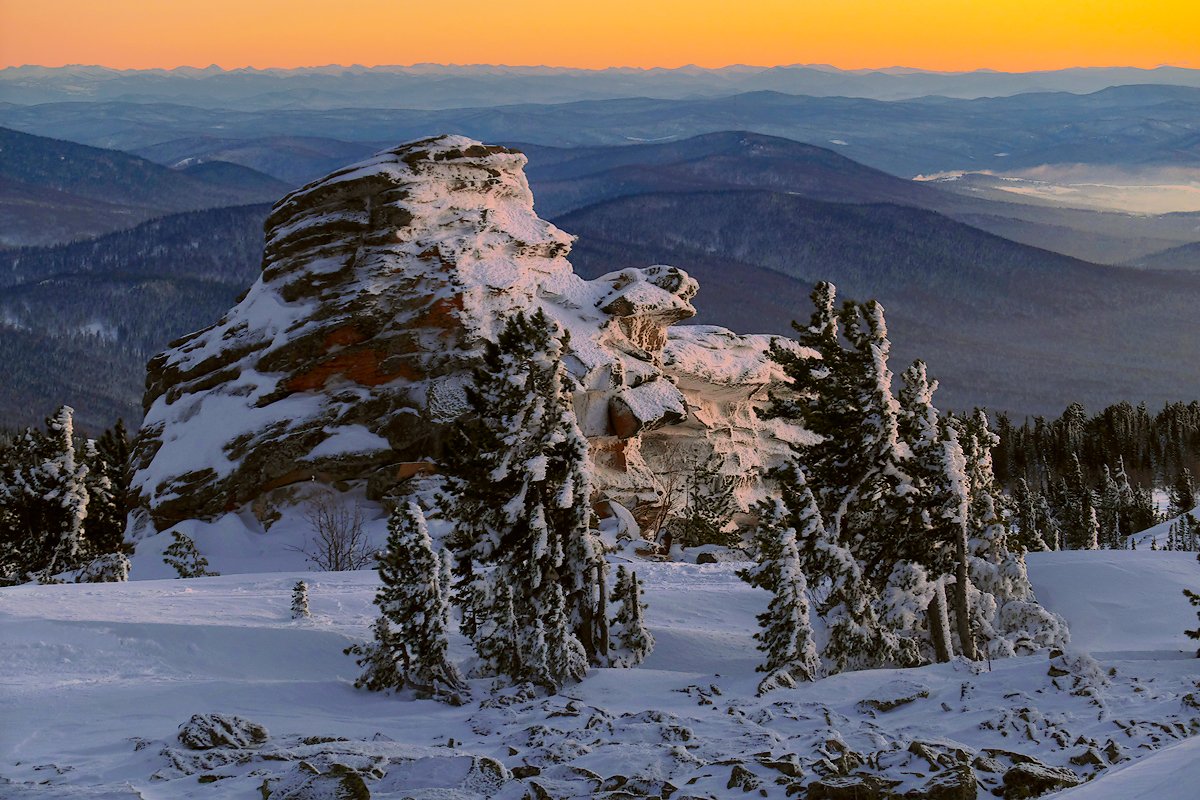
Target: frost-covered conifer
(518,495)
(1091,525)
(1109,511)
(876,500)
(936,512)
(445,582)
(382,671)
(785,633)
(300,601)
(856,469)
(182,556)
(1183,493)
(1005,614)
(410,598)
(557,656)
(43,503)
(1029,518)
(710,507)
(108,568)
(632,641)
(903,606)
(497,648)
(66,478)
(107,484)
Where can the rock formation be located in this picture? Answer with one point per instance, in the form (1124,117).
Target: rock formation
(345,360)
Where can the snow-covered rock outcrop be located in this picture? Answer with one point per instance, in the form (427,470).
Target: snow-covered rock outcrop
(345,360)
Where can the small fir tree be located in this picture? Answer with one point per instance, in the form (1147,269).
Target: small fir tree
(300,601)
(107,484)
(496,646)
(710,507)
(183,556)
(633,642)
(108,568)
(411,599)
(785,633)
(381,669)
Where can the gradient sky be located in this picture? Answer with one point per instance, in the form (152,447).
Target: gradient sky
(1011,35)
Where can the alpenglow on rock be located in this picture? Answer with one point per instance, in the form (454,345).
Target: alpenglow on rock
(346,359)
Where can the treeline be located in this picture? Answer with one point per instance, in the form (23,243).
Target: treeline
(63,504)
(1079,482)
(1154,448)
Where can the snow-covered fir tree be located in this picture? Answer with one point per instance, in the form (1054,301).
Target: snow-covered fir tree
(785,632)
(631,640)
(1030,518)
(1182,494)
(445,582)
(43,502)
(183,557)
(411,599)
(107,484)
(497,648)
(1108,511)
(300,601)
(107,568)
(557,655)
(518,495)
(909,502)
(876,499)
(382,671)
(936,511)
(710,507)
(1005,614)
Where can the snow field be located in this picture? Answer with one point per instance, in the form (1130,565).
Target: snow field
(91,673)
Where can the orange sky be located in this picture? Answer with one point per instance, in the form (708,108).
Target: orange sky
(1013,35)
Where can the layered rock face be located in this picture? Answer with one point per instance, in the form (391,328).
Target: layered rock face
(345,361)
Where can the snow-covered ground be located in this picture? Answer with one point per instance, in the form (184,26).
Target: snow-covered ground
(96,679)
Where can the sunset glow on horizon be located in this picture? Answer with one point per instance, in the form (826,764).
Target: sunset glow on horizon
(950,35)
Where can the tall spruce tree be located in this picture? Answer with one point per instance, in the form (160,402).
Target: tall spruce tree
(1183,493)
(107,483)
(43,502)
(518,494)
(1005,615)
(936,509)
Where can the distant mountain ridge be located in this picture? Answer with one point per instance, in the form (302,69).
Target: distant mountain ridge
(1126,125)
(55,191)
(757,219)
(569,178)
(434,86)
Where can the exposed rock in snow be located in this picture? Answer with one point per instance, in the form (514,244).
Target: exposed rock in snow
(206,731)
(345,360)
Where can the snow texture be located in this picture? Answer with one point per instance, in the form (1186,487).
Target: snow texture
(99,677)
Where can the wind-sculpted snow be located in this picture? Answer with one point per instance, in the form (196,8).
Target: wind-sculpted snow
(344,361)
(99,679)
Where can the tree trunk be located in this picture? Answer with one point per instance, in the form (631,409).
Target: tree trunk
(962,605)
(939,624)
